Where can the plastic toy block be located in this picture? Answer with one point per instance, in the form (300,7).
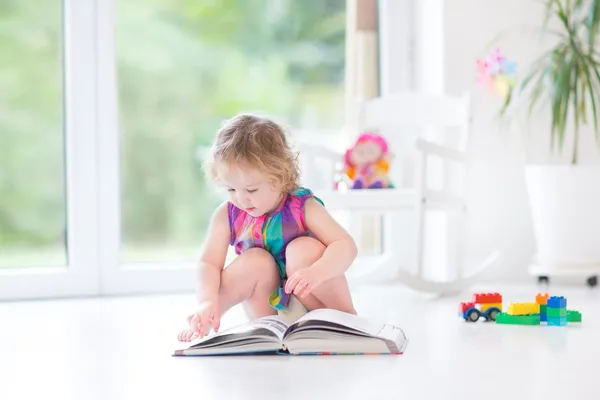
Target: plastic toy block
(485,298)
(464,306)
(541,298)
(504,318)
(543,314)
(573,316)
(523,308)
(557,302)
(556,312)
(485,307)
(560,321)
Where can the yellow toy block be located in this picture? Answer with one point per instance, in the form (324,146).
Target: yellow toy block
(523,308)
(541,299)
(484,307)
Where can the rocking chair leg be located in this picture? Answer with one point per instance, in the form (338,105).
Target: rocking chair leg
(420,213)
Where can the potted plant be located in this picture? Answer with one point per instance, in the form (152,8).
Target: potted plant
(564,84)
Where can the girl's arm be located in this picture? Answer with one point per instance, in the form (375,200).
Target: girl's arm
(340,249)
(212,258)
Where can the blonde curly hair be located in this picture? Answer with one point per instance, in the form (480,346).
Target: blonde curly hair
(260,142)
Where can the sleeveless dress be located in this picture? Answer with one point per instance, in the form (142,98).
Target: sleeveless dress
(272,231)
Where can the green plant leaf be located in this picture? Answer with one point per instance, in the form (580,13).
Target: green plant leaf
(560,93)
(533,72)
(561,13)
(592,23)
(593,91)
(538,89)
(594,67)
(576,115)
(583,103)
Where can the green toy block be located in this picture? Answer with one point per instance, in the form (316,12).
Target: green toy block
(504,318)
(543,308)
(556,312)
(573,316)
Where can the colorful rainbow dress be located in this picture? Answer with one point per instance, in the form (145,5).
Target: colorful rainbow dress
(272,231)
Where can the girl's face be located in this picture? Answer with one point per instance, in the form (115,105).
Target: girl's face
(249,188)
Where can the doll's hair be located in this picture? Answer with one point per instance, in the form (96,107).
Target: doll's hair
(367,137)
(260,142)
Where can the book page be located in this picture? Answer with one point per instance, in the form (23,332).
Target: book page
(393,335)
(271,326)
(345,319)
(273,323)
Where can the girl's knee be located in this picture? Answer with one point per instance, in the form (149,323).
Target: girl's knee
(260,262)
(302,252)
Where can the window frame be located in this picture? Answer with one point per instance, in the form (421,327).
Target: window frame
(80,276)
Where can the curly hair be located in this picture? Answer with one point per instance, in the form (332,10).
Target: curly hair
(260,142)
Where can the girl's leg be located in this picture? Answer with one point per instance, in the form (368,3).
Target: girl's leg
(250,278)
(334,293)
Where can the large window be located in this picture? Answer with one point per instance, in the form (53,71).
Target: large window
(104,108)
(186,65)
(32,185)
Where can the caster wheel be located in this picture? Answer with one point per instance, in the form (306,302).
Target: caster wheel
(592,281)
(544,280)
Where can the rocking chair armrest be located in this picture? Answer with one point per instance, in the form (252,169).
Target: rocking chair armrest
(445,152)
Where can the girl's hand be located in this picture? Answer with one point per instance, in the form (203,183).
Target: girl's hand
(205,318)
(303,282)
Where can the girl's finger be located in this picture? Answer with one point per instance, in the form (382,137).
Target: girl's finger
(306,290)
(290,284)
(299,287)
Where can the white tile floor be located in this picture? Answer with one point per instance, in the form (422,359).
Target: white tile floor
(120,348)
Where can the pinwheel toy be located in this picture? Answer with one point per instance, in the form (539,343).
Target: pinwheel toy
(496,72)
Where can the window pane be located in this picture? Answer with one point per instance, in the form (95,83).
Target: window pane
(186,65)
(32,188)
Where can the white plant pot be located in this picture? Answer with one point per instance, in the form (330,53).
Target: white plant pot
(565,207)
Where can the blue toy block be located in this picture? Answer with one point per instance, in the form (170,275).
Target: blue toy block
(560,321)
(557,302)
(543,317)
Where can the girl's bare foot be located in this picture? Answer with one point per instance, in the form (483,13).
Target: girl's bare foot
(189,334)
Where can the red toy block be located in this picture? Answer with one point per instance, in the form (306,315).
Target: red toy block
(465,306)
(484,298)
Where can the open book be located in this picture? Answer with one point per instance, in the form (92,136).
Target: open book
(322,331)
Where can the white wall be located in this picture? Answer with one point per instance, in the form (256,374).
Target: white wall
(500,215)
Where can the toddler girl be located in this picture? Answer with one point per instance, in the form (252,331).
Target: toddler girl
(278,229)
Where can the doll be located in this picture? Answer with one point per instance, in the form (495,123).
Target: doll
(367,163)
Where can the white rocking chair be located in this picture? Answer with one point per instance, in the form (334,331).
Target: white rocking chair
(401,112)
